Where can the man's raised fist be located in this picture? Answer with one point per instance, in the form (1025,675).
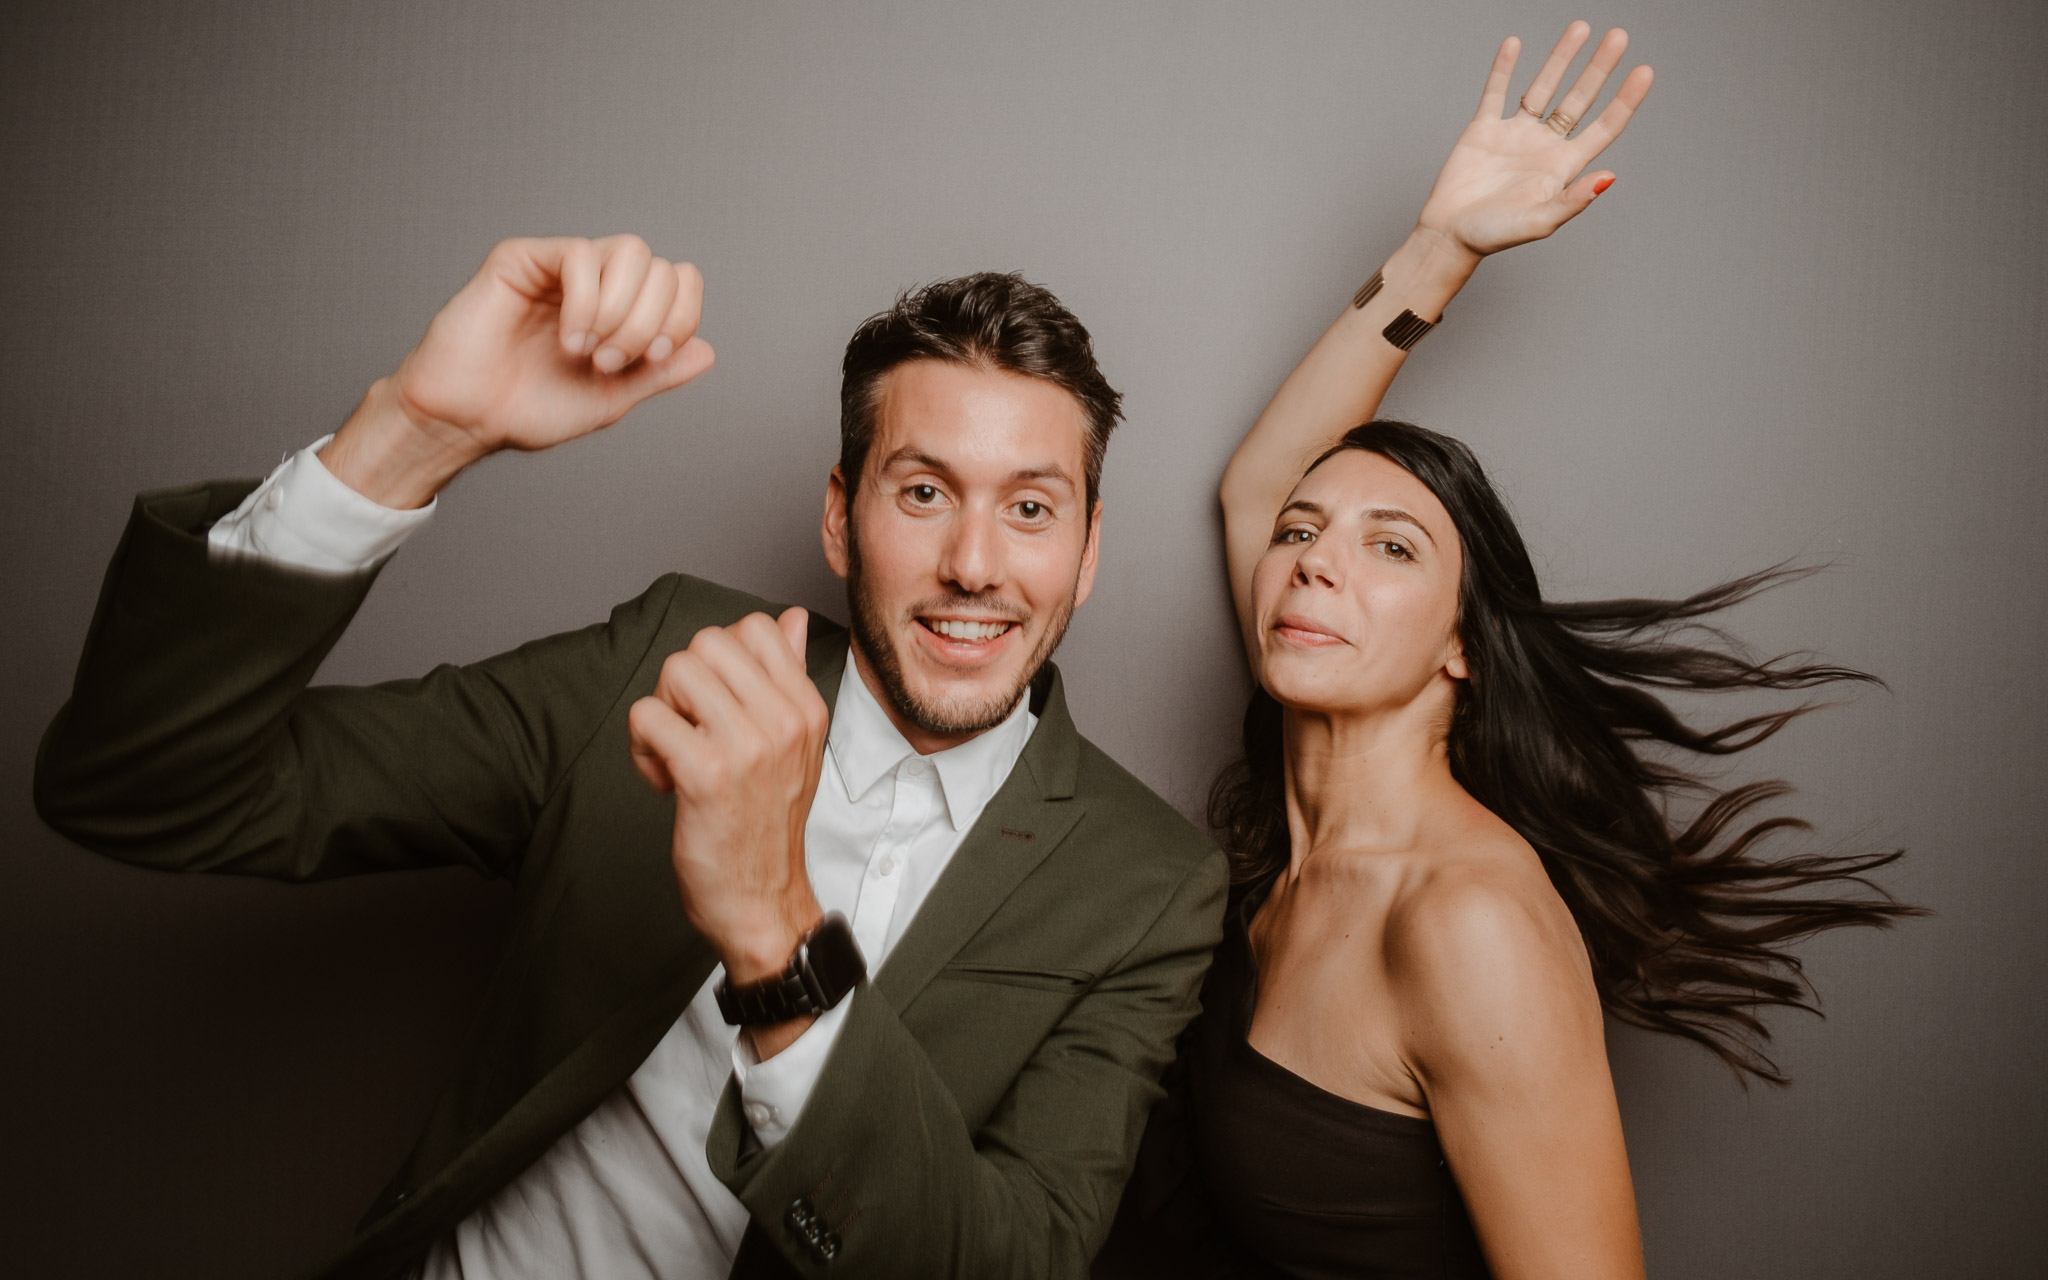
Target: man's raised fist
(552,339)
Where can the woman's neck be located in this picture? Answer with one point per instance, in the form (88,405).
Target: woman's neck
(1366,781)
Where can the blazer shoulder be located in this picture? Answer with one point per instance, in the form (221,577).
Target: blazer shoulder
(1138,815)
(693,603)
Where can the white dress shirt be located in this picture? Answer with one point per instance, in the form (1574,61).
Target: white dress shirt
(628,1194)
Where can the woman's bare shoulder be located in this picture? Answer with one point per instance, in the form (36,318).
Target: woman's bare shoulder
(1481,952)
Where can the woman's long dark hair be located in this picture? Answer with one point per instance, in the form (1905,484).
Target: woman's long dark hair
(1559,730)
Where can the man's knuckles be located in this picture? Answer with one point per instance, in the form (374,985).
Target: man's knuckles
(625,244)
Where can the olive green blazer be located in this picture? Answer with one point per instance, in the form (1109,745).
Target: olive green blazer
(982,1107)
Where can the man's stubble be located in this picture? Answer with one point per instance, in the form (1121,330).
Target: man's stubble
(871,637)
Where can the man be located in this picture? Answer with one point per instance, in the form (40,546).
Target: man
(685,1066)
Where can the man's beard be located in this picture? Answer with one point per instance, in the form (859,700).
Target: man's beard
(952,717)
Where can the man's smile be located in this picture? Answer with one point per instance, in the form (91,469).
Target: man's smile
(958,641)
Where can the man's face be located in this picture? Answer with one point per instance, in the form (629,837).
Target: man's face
(966,544)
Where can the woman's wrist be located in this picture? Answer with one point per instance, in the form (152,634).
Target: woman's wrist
(1427,271)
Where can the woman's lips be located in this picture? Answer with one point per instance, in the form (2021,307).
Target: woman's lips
(1306,632)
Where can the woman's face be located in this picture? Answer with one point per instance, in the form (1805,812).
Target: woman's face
(1355,602)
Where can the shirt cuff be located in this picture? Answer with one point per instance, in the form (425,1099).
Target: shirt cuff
(773,1093)
(303,517)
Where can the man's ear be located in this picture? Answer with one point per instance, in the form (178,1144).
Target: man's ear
(1086,582)
(832,529)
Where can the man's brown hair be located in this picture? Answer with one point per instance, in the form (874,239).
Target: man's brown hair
(990,320)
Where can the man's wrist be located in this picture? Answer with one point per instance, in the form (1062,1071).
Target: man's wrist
(761,952)
(762,948)
(393,456)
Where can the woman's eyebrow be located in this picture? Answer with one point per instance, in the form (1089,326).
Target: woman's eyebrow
(1395,513)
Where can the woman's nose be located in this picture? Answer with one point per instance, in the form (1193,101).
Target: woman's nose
(1316,566)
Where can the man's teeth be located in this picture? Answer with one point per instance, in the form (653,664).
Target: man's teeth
(953,629)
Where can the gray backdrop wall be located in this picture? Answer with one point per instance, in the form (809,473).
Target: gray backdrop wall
(1807,322)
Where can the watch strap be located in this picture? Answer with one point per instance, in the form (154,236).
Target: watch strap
(826,966)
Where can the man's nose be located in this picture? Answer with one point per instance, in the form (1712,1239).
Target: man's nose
(972,559)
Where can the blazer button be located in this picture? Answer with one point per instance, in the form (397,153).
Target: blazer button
(802,1217)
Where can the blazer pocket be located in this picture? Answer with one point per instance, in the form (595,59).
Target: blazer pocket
(1066,981)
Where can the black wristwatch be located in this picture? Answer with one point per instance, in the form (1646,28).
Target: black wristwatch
(825,967)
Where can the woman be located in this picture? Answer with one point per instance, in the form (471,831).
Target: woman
(1449,856)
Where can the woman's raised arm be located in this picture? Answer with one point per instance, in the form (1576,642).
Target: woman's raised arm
(1510,179)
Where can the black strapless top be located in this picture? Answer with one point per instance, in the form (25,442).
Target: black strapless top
(1248,1170)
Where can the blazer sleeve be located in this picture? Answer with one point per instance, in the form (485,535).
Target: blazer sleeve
(881,1176)
(191,741)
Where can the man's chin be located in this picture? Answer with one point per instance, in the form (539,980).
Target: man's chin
(944,699)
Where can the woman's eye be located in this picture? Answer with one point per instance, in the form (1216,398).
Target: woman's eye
(1395,549)
(924,493)
(1296,536)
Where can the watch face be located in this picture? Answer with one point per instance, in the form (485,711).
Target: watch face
(834,958)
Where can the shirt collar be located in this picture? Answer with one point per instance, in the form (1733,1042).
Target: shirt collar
(866,746)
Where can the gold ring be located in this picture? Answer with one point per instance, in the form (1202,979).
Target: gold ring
(1561,122)
(1525,107)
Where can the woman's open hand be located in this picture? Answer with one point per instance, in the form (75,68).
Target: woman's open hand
(1512,179)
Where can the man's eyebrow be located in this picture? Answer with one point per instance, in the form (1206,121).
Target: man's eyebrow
(926,462)
(1044,471)
(909,453)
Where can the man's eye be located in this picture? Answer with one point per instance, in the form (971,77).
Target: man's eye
(1031,510)
(924,493)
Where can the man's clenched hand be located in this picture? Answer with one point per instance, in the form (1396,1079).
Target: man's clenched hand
(552,339)
(736,730)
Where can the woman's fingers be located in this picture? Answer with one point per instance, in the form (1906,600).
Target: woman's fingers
(1605,58)
(1596,137)
(1537,99)
(1493,99)
(643,320)
(626,261)
(1581,193)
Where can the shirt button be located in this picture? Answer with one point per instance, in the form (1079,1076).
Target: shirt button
(888,866)
(759,1114)
(273,499)
(916,766)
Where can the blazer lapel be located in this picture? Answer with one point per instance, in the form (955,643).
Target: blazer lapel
(1026,819)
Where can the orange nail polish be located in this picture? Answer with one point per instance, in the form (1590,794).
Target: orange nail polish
(1602,185)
